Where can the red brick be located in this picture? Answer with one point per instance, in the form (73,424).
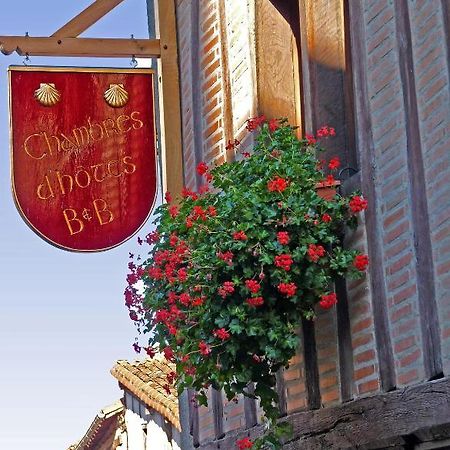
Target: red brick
(362,325)
(328,381)
(368,386)
(331,396)
(399,280)
(411,358)
(404,294)
(404,344)
(400,263)
(395,233)
(408,377)
(394,217)
(362,340)
(368,355)
(401,312)
(364,372)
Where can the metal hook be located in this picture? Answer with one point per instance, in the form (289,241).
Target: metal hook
(133,62)
(26,60)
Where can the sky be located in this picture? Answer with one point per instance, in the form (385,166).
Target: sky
(63,322)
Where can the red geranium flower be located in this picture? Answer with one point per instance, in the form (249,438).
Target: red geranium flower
(310,139)
(204,348)
(221,333)
(273,125)
(326,218)
(277,184)
(244,443)
(202,168)
(315,252)
(361,262)
(357,204)
(328,300)
(284,261)
(239,236)
(334,163)
(253,286)
(255,301)
(283,237)
(288,289)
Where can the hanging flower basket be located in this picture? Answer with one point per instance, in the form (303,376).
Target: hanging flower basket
(234,268)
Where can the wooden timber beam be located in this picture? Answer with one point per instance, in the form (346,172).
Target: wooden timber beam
(86,18)
(88,47)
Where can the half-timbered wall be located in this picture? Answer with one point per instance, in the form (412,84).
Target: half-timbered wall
(377,70)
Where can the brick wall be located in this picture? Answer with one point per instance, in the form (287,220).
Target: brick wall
(219,85)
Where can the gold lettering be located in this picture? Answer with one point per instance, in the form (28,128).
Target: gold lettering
(133,166)
(81,170)
(139,123)
(49,145)
(27,149)
(113,126)
(114,163)
(73,219)
(100,207)
(91,130)
(46,184)
(95,168)
(81,135)
(71,145)
(121,120)
(61,178)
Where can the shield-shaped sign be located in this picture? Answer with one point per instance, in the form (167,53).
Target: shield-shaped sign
(83,153)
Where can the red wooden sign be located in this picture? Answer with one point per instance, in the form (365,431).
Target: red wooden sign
(83,153)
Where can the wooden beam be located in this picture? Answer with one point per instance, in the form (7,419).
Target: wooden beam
(86,18)
(88,47)
(371,422)
(429,320)
(169,89)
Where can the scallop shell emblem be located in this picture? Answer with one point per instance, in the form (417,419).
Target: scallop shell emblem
(47,94)
(116,96)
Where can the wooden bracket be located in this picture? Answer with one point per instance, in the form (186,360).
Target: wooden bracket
(65,41)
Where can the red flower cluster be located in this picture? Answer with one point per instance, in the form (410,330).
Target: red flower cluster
(231,145)
(361,262)
(173,211)
(255,301)
(311,140)
(254,122)
(284,261)
(204,348)
(168,353)
(283,237)
(152,237)
(239,236)
(221,333)
(226,289)
(327,301)
(288,289)
(325,131)
(253,286)
(226,256)
(326,218)
(168,197)
(187,193)
(357,204)
(277,184)
(202,168)
(244,443)
(334,163)
(273,125)
(315,252)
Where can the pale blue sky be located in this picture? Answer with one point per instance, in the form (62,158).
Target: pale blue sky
(62,318)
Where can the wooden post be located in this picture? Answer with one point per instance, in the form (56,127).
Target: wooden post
(169,97)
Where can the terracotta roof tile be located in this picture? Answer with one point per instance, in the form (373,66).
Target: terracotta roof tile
(146,380)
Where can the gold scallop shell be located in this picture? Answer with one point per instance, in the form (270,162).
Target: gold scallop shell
(116,96)
(47,94)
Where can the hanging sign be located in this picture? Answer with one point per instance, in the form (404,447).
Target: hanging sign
(83,153)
